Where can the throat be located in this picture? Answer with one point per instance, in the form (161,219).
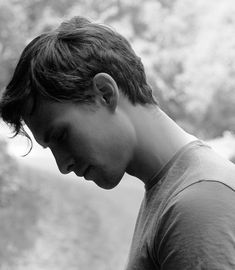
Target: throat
(156,147)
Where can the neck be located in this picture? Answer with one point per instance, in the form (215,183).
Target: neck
(158,138)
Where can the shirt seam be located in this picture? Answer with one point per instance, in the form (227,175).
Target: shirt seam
(211,180)
(155,255)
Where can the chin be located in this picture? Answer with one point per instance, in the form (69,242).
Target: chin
(108,186)
(108,182)
(104,178)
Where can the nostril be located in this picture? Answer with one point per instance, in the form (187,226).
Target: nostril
(70,168)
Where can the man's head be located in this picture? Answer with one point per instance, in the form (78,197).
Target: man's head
(77,65)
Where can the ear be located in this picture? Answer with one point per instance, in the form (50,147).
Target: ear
(107,90)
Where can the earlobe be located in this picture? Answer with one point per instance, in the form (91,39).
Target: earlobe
(106,89)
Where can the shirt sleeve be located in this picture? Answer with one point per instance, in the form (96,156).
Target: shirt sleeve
(197,229)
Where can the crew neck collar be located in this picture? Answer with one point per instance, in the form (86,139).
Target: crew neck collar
(158,177)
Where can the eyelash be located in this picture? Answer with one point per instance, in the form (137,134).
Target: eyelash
(60,136)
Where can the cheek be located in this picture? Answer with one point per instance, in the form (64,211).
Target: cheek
(84,149)
(118,148)
(77,147)
(101,146)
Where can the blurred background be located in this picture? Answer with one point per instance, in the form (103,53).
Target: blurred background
(49,221)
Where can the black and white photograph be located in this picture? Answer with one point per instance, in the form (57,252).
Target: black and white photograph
(117,135)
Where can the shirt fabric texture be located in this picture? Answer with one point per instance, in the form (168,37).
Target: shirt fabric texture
(187,216)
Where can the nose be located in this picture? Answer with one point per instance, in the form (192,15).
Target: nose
(64,163)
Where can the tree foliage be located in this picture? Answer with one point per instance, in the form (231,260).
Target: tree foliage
(187,47)
(8,175)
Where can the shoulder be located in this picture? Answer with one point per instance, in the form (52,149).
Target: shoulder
(198,222)
(204,194)
(203,209)
(203,202)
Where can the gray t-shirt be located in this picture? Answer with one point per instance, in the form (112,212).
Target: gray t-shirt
(187,217)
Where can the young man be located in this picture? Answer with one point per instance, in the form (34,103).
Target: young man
(82,91)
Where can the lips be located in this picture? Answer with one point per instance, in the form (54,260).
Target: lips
(81,172)
(87,172)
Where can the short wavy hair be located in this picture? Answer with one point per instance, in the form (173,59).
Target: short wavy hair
(61,64)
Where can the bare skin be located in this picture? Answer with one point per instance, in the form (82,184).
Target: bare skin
(103,142)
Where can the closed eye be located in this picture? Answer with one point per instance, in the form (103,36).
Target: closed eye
(59,136)
(54,136)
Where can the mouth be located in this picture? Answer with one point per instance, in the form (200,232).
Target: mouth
(86,172)
(82,172)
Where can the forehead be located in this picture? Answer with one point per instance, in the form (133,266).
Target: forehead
(46,114)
